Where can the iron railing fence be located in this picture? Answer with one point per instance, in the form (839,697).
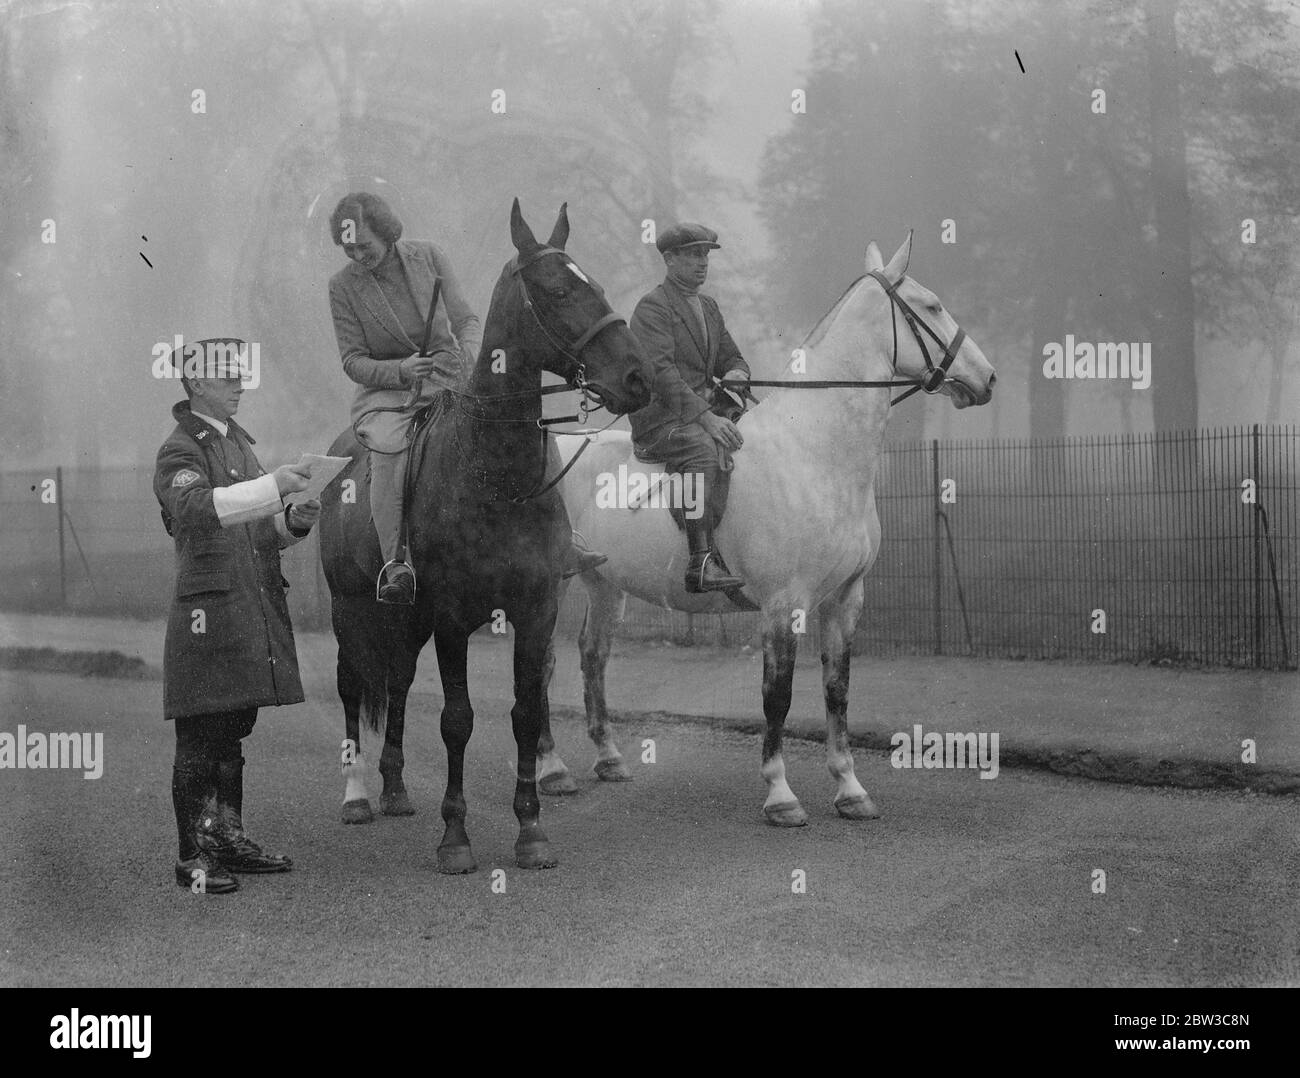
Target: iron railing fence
(1176,548)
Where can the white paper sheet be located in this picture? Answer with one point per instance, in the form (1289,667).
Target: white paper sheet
(323,471)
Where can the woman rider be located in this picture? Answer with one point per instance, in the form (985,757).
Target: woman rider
(379,303)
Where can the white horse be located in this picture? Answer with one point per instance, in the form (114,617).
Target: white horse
(800,527)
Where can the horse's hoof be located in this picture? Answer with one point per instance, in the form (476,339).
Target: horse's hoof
(397,804)
(556,783)
(786,814)
(614,770)
(534,855)
(357,812)
(857,808)
(455,860)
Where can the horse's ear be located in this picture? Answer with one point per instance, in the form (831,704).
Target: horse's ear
(874,261)
(898,264)
(520,234)
(560,233)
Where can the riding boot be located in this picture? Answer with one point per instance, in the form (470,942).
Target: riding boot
(578,559)
(396,584)
(195,865)
(705,571)
(223,835)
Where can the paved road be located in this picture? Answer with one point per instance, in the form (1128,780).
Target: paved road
(672,879)
(1094,720)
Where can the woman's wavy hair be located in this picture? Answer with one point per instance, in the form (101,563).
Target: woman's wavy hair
(369,210)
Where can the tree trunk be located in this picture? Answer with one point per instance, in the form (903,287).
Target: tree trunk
(1279,346)
(1173,346)
(1047,396)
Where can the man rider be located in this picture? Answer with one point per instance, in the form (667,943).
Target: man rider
(686,345)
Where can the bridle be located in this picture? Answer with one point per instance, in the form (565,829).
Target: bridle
(572,350)
(576,378)
(935,375)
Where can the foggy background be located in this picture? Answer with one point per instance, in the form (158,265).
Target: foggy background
(1125,226)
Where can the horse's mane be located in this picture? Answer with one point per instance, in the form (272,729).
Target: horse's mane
(498,302)
(824,323)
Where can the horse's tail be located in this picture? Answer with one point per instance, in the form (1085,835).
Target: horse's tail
(374,705)
(371,659)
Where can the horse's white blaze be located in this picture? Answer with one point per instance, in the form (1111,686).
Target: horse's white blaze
(355,776)
(778,790)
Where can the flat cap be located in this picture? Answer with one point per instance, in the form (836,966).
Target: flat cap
(686,235)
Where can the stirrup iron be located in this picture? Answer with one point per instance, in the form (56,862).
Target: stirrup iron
(382,579)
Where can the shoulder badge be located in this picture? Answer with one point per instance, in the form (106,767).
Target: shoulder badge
(184,478)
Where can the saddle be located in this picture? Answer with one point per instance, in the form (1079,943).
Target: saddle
(424,419)
(415,442)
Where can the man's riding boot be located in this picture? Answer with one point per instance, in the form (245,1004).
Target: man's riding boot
(195,867)
(578,559)
(396,584)
(705,571)
(223,835)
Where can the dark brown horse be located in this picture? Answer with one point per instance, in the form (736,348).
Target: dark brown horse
(486,534)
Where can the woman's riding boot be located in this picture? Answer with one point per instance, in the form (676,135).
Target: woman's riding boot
(396,583)
(578,559)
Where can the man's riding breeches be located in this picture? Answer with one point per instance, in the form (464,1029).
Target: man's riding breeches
(687,448)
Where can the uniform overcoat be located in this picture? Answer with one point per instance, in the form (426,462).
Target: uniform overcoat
(228,580)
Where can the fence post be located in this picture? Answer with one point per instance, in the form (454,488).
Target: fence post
(1259,582)
(938,551)
(63,573)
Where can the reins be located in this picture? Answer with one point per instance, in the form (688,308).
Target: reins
(935,377)
(570,350)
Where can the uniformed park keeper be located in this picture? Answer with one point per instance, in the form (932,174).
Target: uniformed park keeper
(229,646)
